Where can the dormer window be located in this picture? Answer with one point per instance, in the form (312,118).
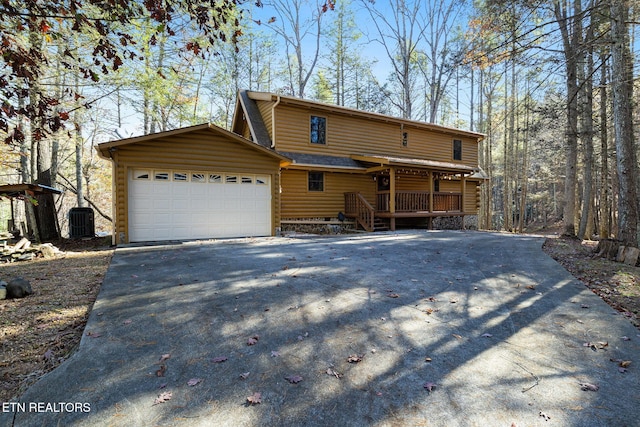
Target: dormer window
(318,130)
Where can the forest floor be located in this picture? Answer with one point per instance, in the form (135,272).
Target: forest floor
(41,331)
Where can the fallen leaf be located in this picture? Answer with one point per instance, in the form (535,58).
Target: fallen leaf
(244,375)
(624,363)
(596,345)
(163,397)
(255,398)
(93,334)
(127,322)
(428,310)
(544,416)
(275,353)
(219,359)
(429,386)
(330,371)
(626,339)
(487,335)
(253,340)
(589,387)
(165,357)
(293,379)
(432,299)
(160,372)
(585,306)
(457,336)
(622,370)
(393,295)
(354,358)
(163,385)
(427,359)
(194,381)
(532,287)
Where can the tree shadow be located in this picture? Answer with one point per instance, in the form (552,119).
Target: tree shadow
(495,326)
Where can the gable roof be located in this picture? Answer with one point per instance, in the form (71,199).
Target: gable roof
(258,129)
(105,147)
(290,100)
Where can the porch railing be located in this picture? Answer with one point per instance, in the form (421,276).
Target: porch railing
(356,206)
(418,201)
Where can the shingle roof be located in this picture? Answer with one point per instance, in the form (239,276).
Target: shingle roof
(322,160)
(256,124)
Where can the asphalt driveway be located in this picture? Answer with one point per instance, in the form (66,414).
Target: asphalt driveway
(437,328)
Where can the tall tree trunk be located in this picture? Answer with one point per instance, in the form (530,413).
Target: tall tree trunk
(571,30)
(605,215)
(587,138)
(622,84)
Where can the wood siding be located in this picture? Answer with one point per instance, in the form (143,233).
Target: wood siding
(202,151)
(265,108)
(298,202)
(348,135)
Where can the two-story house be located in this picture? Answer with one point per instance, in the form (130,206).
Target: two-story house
(291,162)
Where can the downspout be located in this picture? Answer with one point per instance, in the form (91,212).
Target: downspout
(273,121)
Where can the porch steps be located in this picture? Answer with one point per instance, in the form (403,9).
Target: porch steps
(380,224)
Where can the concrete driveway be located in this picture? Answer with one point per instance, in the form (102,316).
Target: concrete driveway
(344,331)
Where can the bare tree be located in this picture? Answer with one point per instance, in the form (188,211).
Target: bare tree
(571,31)
(295,28)
(622,85)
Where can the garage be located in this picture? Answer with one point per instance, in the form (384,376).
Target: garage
(199,182)
(179,205)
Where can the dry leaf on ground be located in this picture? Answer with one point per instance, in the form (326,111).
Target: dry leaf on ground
(255,398)
(163,397)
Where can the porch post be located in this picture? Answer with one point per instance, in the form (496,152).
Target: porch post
(463,184)
(431,187)
(392,197)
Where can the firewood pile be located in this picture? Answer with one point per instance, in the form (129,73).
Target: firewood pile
(24,250)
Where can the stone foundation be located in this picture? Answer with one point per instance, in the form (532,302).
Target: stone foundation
(471,222)
(316,226)
(455,222)
(334,226)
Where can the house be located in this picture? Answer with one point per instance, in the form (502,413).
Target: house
(289,162)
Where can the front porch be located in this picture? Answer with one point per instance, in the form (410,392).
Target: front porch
(411,189)
(406,204)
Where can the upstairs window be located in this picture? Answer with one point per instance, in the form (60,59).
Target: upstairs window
(316,181)
(405,139)
(318,130)
(457,149)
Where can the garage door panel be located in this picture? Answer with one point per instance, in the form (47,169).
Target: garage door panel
(232,205)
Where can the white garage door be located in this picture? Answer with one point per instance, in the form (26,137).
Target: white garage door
(179,205)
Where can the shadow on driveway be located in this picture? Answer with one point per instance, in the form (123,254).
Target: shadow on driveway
(491,324)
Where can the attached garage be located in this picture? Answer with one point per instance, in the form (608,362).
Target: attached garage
(193,183)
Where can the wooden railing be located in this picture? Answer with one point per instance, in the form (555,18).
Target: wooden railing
(418,201)
(356,206)
(447,202)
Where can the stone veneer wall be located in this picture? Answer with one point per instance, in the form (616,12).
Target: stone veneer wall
(455,222)
(319,227)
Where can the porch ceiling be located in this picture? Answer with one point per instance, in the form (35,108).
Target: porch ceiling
(377,160)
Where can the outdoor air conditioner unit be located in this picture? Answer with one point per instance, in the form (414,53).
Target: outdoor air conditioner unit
(81,223)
